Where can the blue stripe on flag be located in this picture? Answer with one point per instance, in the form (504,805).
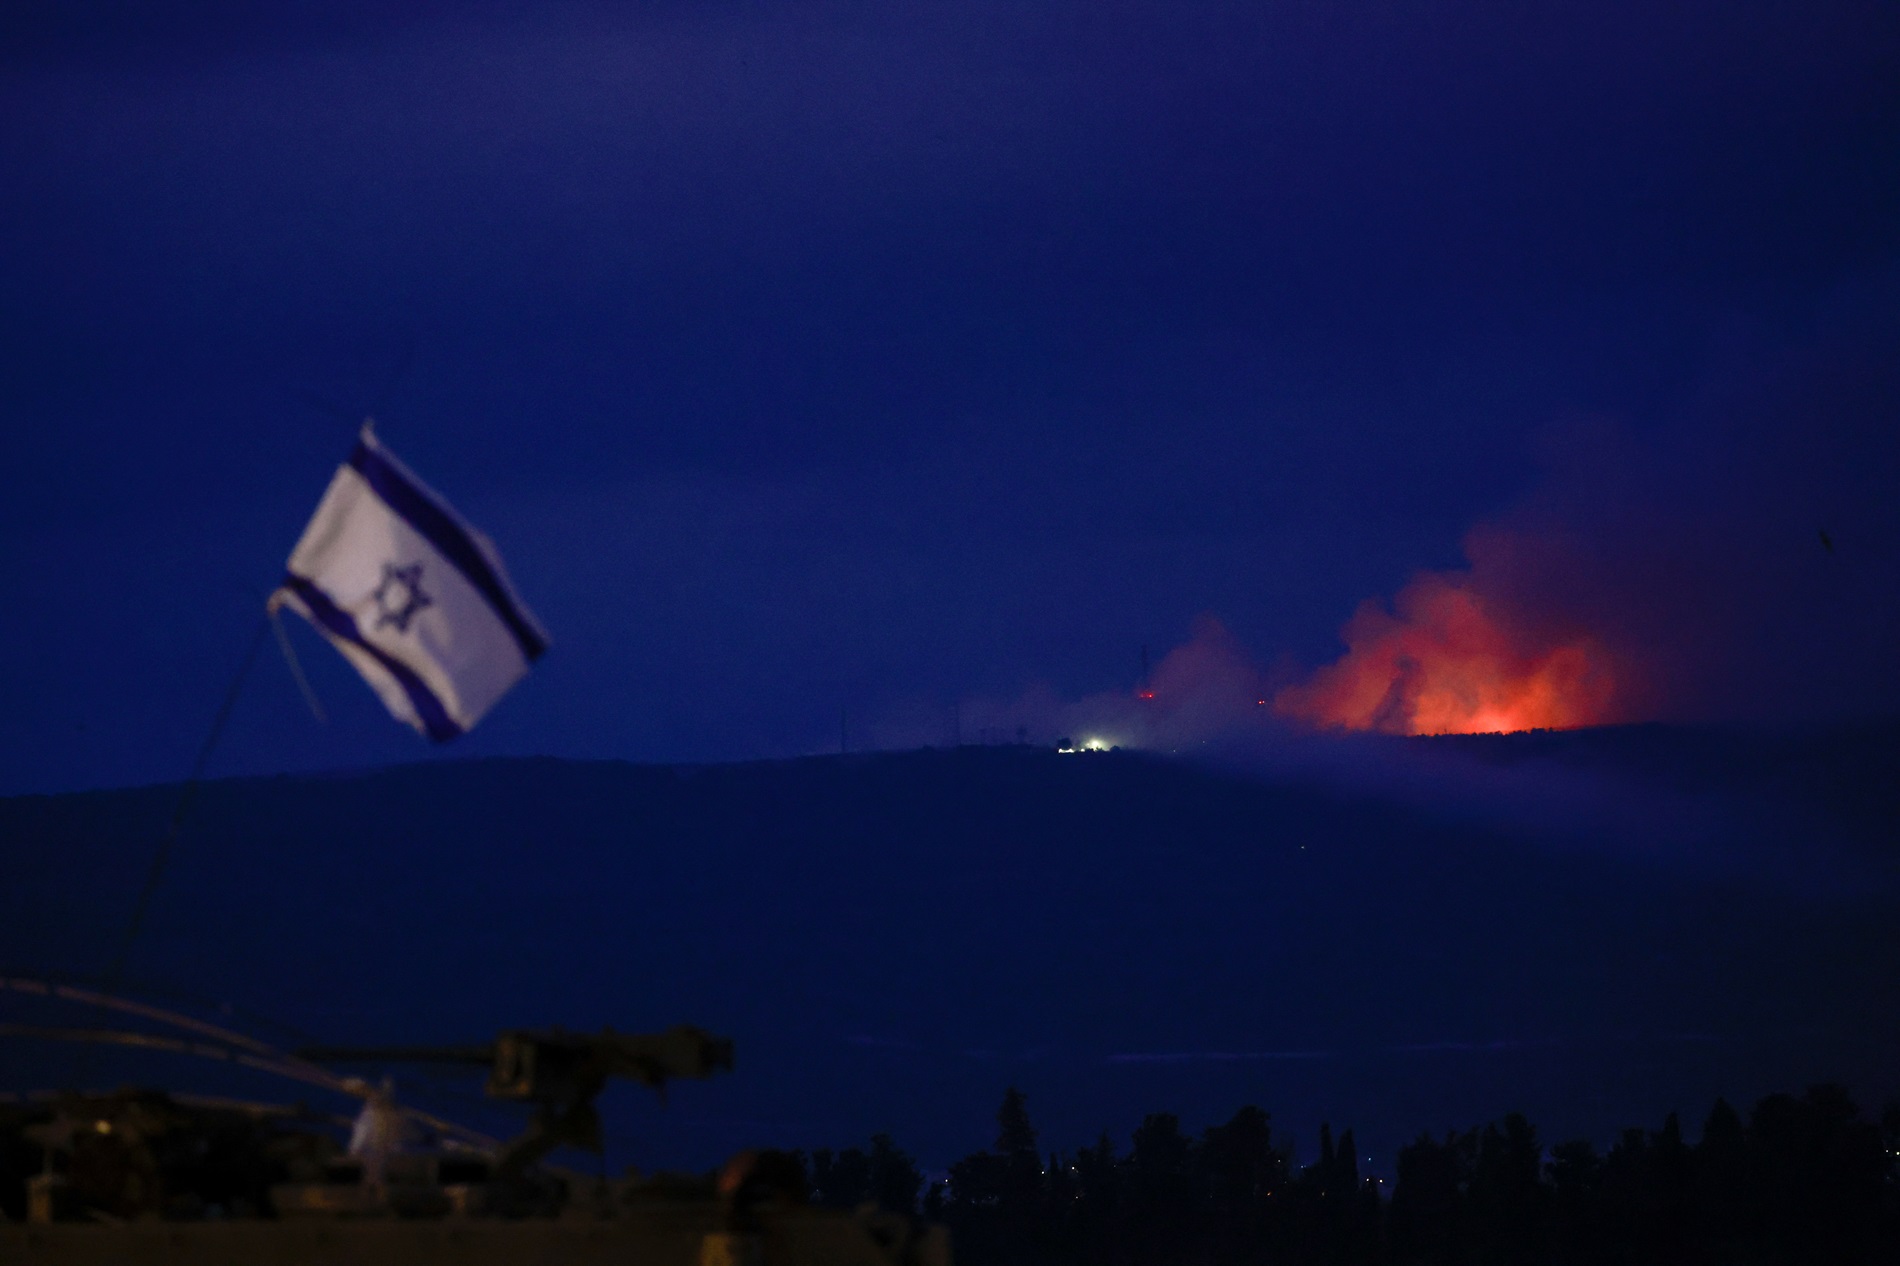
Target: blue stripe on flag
(451,540)
(337,622)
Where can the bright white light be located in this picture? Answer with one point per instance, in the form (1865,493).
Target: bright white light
(1095,745)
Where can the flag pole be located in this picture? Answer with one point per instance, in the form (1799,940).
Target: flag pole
(296,669)
(186,794)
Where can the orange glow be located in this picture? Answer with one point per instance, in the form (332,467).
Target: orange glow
(1447,662)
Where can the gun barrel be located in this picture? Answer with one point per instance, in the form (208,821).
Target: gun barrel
(398,1054)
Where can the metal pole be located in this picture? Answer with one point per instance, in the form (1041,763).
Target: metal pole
(186,794)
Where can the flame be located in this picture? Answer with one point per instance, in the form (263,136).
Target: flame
(1447,661)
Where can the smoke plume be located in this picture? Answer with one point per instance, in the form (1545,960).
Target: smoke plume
(1736,561)
(1453,657)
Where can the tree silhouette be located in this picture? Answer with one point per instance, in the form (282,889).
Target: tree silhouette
(1241,1176)
(998,1199)
(1092,1222)
(1719,1182)
(1427,1214)
(893,1177)
(1575,1172)
(1015,1136)
(1508,1199)
(1804,1180)
(841,1180)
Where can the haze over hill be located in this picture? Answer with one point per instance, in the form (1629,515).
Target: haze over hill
(1397,935)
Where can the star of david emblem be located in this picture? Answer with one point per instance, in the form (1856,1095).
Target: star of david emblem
(399,596)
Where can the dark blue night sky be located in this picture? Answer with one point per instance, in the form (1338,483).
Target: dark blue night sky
(868,358)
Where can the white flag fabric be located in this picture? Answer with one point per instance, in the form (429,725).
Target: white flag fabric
(411,595)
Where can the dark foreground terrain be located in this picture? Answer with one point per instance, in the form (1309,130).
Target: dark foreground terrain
(1593,929)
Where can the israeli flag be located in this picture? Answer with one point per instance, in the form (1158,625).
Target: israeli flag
(412,595)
